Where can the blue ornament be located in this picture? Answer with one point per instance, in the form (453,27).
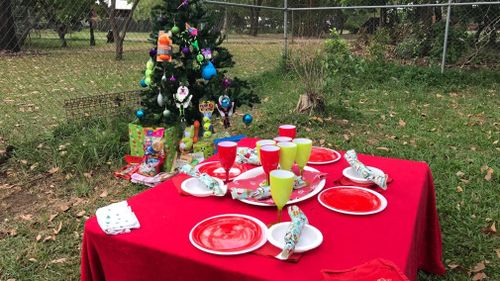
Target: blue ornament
(139,113)
(225,103)
(143,83)
(247,119)
(208,71)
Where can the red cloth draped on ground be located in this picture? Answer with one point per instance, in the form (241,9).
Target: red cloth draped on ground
(407,233)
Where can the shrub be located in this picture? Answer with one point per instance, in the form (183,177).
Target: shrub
(378,44)
(459,42)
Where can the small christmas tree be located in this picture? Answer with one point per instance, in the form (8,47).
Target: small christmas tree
(188,66)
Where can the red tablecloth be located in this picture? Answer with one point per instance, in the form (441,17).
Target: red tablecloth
(407,233)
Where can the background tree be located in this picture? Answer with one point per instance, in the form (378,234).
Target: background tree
(8,36)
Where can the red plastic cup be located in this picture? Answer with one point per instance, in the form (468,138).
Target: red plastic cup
(287,131)
(282,139)
(227,155)
(269,158)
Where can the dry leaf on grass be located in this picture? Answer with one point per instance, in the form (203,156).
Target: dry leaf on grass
(453,265)
(53,170)
(480,266)
(460,174)
(64,207)
(479,276)
(460,189)
(498,252)
(33,260)
(27,217)
(88,175)
(383,148)
(80,214)
(346,137)
(103,194)
(49,237)
(38,237)
(11,279)
(61,260)
(490,230)
(58,229)
(402,123)
(322,141)
(484,168)
(488,175)
(53,216)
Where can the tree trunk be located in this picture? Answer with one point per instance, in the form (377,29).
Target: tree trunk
(424,14)
(119,50)
(254,18)
(8,37)
(61,31)
(91,27)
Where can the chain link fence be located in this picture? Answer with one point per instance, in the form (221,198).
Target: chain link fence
(68,48)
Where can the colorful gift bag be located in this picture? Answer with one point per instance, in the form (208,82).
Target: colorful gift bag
(136,136)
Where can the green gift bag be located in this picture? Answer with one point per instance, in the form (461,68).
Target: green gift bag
(136,139)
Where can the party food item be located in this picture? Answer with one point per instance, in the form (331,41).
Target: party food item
(227,155)
(281,188)
(269,158)
(261,143)
(365,172)
(288,153)
(304,147)
(287,131)
(207,180)
(292,236)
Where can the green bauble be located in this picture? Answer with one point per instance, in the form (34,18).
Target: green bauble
(206,120)
(207,134)
(147,80)
(175,29)
(148,73)
(206,126)
(150,65)
(200,58)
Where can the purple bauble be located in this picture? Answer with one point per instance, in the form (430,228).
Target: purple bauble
(185,50)
(172,78)
(226,83)
(152,52)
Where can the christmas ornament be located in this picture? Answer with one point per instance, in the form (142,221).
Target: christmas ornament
(226,83)
(150,64)
(164,49)
(185,50)
(207,108)
(184,3)
(195,45)
(207,134)
(182,100)
(159,100)
(192,31)
(139,113)
(172,78)
(208,71)
(152,52)
(207,53)
(147,80)
(247,119)
(200,58)
(148,73)
(225,112)
(175,29)
(164,78)
(166,113)
(143,83)
(206,126)
(226,102)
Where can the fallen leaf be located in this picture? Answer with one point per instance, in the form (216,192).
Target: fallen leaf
(479,276)
(12,232)
(321,141)
(58,229)
(480,266)
(53,216)
(49,237)
(54,170)
(498,252)
(33,260)
(103,194)
(488,175)
(484,168)
(460,189)
(64,207)
(80,214)
(11,279)
(439,96)
(38,237)
(308,129)
(490,230)
(61,260)
(27,217)
(460,174)
(34,166)
(383,148)
(24,162)
(402,123)
(346,137)
(453,265)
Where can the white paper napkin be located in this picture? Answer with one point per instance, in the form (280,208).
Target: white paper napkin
(117,218)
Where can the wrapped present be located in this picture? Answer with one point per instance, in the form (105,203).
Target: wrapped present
(206,147)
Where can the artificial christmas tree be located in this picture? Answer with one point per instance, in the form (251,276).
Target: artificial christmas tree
(187,67)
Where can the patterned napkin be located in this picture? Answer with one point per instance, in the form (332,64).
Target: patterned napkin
(247,155)
(117,218)
(150,181)
(210,182)
(262,192)
(365,172)
(292,236)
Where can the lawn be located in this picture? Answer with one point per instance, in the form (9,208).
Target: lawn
(450,121)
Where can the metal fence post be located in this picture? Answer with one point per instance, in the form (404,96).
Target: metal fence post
(285,28)
(445,42)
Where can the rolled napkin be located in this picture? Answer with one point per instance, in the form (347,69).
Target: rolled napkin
(207,180)
(262,192)
(365,172)
(117,218)
(294,231)
(247,155)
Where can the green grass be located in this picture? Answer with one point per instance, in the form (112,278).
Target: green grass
(451,122)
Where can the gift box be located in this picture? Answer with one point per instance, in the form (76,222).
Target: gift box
(206,147)
(171,139)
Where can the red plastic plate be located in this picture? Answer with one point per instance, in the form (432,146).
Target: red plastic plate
(321,155)
(228,234)
(215,169)
(352,200)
